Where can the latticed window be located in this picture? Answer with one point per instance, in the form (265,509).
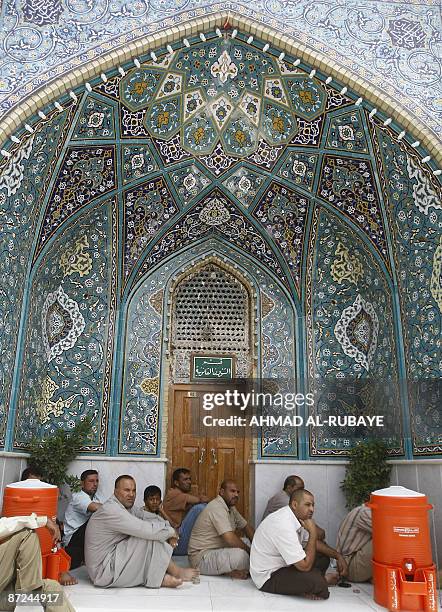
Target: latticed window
(211,312)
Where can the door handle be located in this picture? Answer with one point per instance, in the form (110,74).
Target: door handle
(203,450)
(214,459)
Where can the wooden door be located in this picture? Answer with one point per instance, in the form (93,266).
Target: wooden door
(206,451)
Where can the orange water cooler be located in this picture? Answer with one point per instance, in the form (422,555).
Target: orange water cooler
(404,575)
(32,495)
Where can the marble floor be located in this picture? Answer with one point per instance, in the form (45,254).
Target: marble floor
(217,594)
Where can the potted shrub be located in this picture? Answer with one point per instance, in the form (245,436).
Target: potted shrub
(367,471)
(52,455)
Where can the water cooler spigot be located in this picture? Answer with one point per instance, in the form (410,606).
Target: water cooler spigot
(409,567)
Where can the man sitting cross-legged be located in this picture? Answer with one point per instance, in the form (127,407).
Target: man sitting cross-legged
(21,564)
(123,550)
(183,508)
(214,547)
(278,561)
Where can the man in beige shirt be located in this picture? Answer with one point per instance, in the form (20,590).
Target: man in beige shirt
(21,565)
(214,546)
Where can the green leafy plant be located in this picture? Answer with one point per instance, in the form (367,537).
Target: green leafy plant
(53,454)
(367,471)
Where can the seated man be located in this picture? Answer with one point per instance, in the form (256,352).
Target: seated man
(282,498)
(77,514)
(34,473)
(153,508)
(122,550)
(20,562)
(355,543)
(214,546)
(31,472)
(182,508)
(278,562)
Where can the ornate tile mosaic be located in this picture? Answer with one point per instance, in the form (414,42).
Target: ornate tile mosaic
(96,120)
(244,184)
(415,213)
(69,333)
(137,161)
(346,133)
(85,174)
(349,185)
(351,346)
(215,214)
(146,208)
(299,168)
(23,180)
(283,212)
(221,91)
(238,153)
(398,52)
(189,181)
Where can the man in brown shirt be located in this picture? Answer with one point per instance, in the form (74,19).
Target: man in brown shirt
(182,507)
(214,546)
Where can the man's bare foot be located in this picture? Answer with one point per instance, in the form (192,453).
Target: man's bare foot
(186,574)
(171,582)
(239,574)
(332,579)
(66,579)
(312,596)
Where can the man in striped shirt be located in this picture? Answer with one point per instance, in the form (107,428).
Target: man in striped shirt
(355,543)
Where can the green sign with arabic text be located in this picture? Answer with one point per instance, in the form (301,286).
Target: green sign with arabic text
(212,368)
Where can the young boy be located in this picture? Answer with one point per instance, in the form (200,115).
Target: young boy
(153,504)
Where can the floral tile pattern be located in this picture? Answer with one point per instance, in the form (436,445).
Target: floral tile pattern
(397,52)
(351,345)
(69,333)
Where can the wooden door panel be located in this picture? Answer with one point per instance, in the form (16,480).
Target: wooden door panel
(228,464)
(191,444)
(188,445)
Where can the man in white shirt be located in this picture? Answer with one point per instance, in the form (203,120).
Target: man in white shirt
(21,566)
(278,561)
(81,507)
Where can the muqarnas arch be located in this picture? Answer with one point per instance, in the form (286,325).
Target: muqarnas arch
(221,139)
